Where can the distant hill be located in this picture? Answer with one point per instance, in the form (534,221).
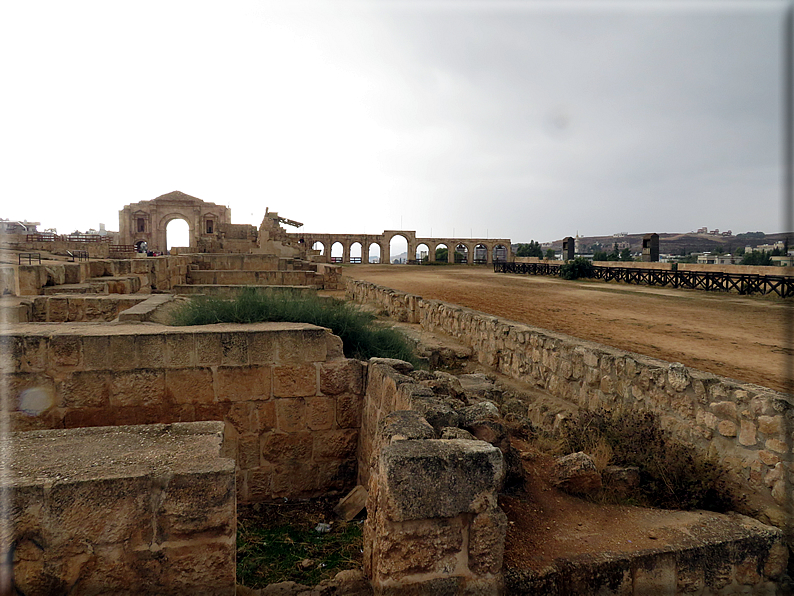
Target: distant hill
(681,244)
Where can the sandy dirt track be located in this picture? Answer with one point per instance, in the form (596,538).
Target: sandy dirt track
(730,335)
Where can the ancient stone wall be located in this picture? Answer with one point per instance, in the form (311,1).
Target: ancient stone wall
(745,426)
(290,400)
(101,275)
(144,510)
(433,523)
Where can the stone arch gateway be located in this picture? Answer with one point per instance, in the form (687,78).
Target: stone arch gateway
(147,220)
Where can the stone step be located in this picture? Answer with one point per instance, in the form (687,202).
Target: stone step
(231,290)
(267,278)
(84,288)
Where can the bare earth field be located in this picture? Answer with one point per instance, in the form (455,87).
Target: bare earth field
(734,336)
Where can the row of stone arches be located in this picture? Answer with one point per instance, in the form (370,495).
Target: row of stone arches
(418,251)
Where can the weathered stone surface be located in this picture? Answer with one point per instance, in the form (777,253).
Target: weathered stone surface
(352,504)
(241,383)
(487,541)
(295,381)
(291,414)
(437,413)
(320,413)
(404,424)
(485,410)
(418,547)
(443,478)
(401,366)
(450,432)
(576,473)
(341,377)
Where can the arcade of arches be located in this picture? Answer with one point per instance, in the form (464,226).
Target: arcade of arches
(459,250)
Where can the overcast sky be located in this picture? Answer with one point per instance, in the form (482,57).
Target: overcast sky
(524,120)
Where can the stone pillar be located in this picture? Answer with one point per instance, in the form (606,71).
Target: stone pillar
(568,248)
(650,248)
(433,524)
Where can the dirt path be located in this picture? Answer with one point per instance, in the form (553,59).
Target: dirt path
(733,336)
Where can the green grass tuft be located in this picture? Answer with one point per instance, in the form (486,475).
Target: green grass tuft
(362,336)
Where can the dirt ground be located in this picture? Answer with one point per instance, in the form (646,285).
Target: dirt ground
(740,337)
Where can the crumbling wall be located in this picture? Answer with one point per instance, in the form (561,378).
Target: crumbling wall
(743,425)
(290,400)
(433,522)
(124,510)
(161,273)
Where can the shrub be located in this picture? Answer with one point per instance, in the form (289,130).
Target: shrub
(672,476)
(362,336)
(579,267)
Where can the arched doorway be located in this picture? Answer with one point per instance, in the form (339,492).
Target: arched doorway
(355,253)
(461,253)
(500,253)
(442,253)
(422,254)
(398,249)
(373,254)
(141,246)
(319,246)
(480,254)
(177,233)
(337,252)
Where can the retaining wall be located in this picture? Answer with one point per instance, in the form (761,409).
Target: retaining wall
(161,273)
(290,400)
(746,427)
(121,511)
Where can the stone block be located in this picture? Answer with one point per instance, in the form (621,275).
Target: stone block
(487,542)
(123,355)
(150,350)
(265,416)
(85,389)
(208,348)
(196,503)
(32,393)
(290,414)
(727,428)
(207,569)
(280,447)
(248,451)
(295,479)
(320,412)
(96,352)
(189,385)
(348,410)
(86,417)
(234,349)
(180,350)
(65,351)
(747,434)
(259,483)
(238,383)
(98,511)
(418,548)
(439,478)
(335,444)
(770,425)
(243,416)
(306,343)
(261,347)
(140,387)
(345,376)
(295,381)
(658,577)
(404,424)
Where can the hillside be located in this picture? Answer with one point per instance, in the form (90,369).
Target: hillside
(681,244)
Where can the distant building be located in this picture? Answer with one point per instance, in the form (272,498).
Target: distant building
(707,258)
(787,261)
(18,227)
